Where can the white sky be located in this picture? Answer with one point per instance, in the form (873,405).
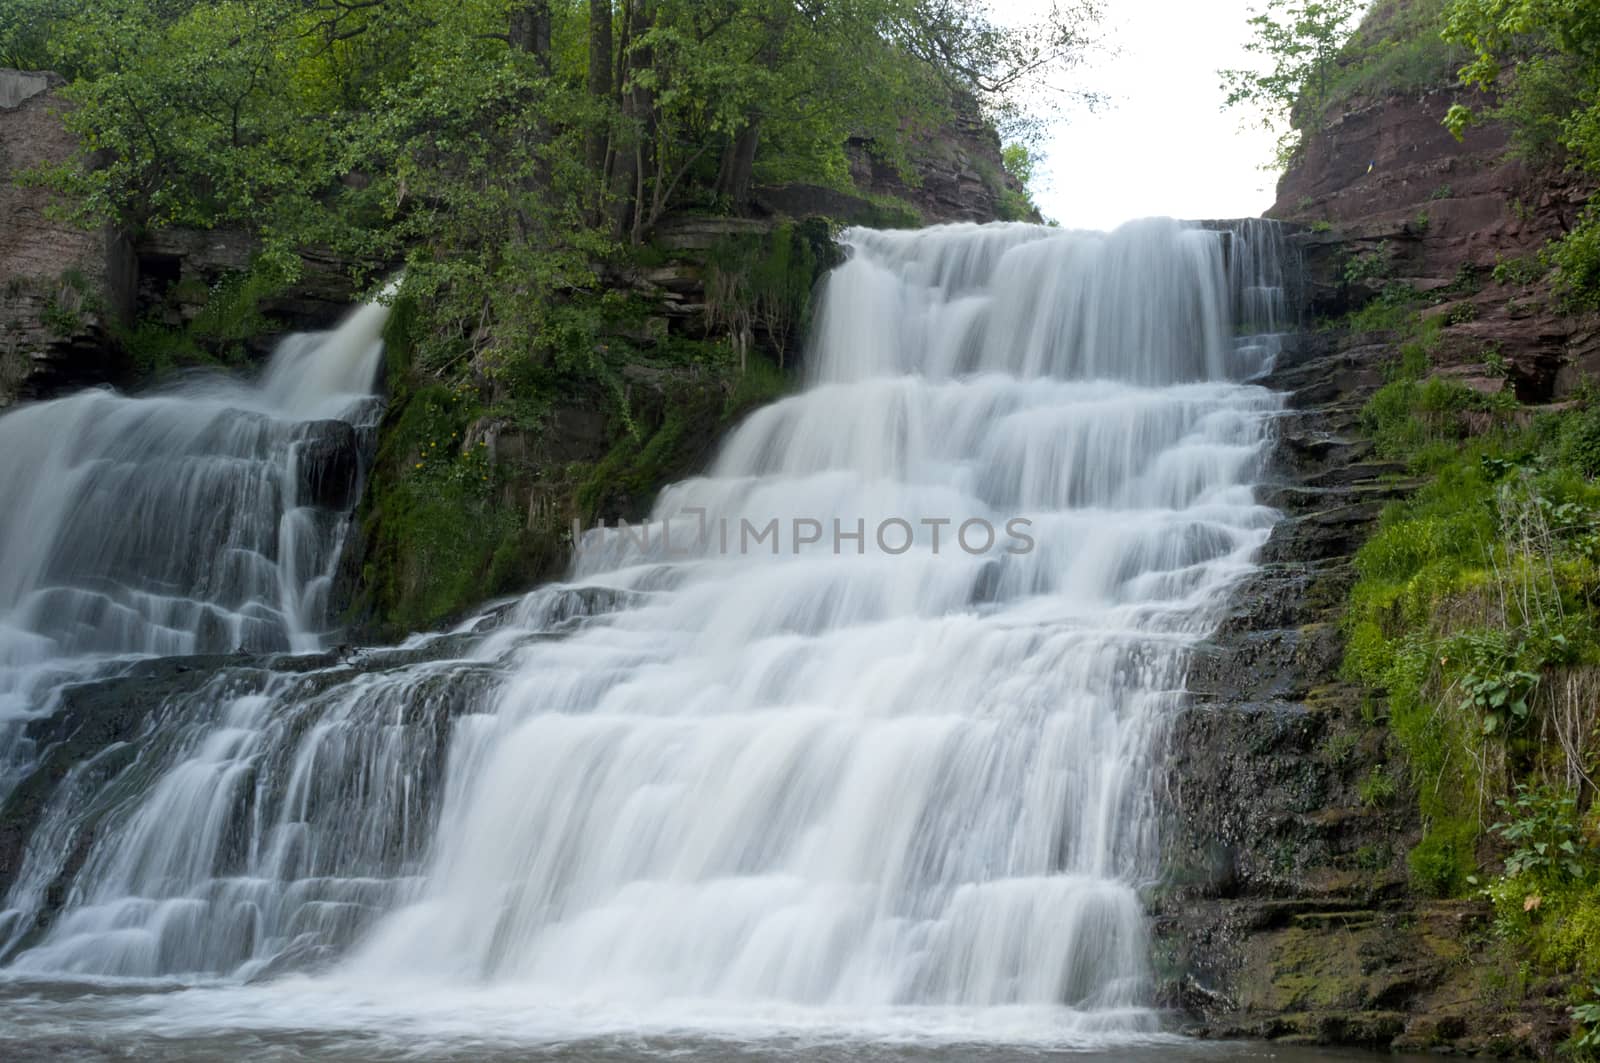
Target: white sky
(1162,144)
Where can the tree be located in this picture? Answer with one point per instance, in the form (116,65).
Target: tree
(1301,40)
(1542,58)
(504,150)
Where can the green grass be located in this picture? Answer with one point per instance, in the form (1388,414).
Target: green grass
(1485,573)
(1396,50)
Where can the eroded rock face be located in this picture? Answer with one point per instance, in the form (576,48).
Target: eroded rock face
(1288,910)
(958,173)
(1391,186)
(60,286)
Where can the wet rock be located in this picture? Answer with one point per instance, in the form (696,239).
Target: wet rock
(328,461)
(1286,911)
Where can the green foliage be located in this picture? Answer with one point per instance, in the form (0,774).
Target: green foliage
(1543,58)
(1524,269)
(1376,789)
(1577,258)
(1441,864)
(888,212)
(1467,281)
(1497,678)
(1576,441)
(1406,417)
(1587,1015)
(1018,162)
(1392,310)
(760,383)
(1369,266)
(1397,49)
(156,350)
(434,514)
(25,32)
(765,281)
(1476,599)
(1542,828)
(1300,42)
(231,312)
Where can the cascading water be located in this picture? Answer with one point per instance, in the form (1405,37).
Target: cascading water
(860,726)
(205,518)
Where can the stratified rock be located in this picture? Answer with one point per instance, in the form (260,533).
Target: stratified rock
(61,286)
(1387,182)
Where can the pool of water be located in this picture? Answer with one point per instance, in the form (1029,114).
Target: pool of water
(307,1019)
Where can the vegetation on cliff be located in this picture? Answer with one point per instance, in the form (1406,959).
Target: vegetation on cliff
(1537,63)
(1300,41)
(1543,57)
(1317,56)
(514,158)
(1473,626)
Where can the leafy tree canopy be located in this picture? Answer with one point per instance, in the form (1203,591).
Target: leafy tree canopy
(500,148)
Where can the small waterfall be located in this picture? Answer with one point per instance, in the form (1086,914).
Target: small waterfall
(858,729)
(204,518)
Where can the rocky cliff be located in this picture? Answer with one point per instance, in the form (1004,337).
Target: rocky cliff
(1290,911)
(61,288)
(1384,182)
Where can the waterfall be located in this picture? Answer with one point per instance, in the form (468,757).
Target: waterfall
(859,728)
(203,518)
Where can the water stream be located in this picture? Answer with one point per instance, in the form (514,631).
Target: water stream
(853,742)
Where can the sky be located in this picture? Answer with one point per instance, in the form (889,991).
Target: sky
(1161,144)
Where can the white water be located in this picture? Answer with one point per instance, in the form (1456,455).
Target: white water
(839,786)
(178,522)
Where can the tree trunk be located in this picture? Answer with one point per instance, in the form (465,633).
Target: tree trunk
(738,163)
(595,147)
(739,157)
(599,74)
(633,149)
(530,30)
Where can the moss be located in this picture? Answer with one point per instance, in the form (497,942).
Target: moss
(765,281)
(1443,862)
(155,350)
(444,529)
(1484,572)
(433,508)
(891,212)
(625,481)
(399,342)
